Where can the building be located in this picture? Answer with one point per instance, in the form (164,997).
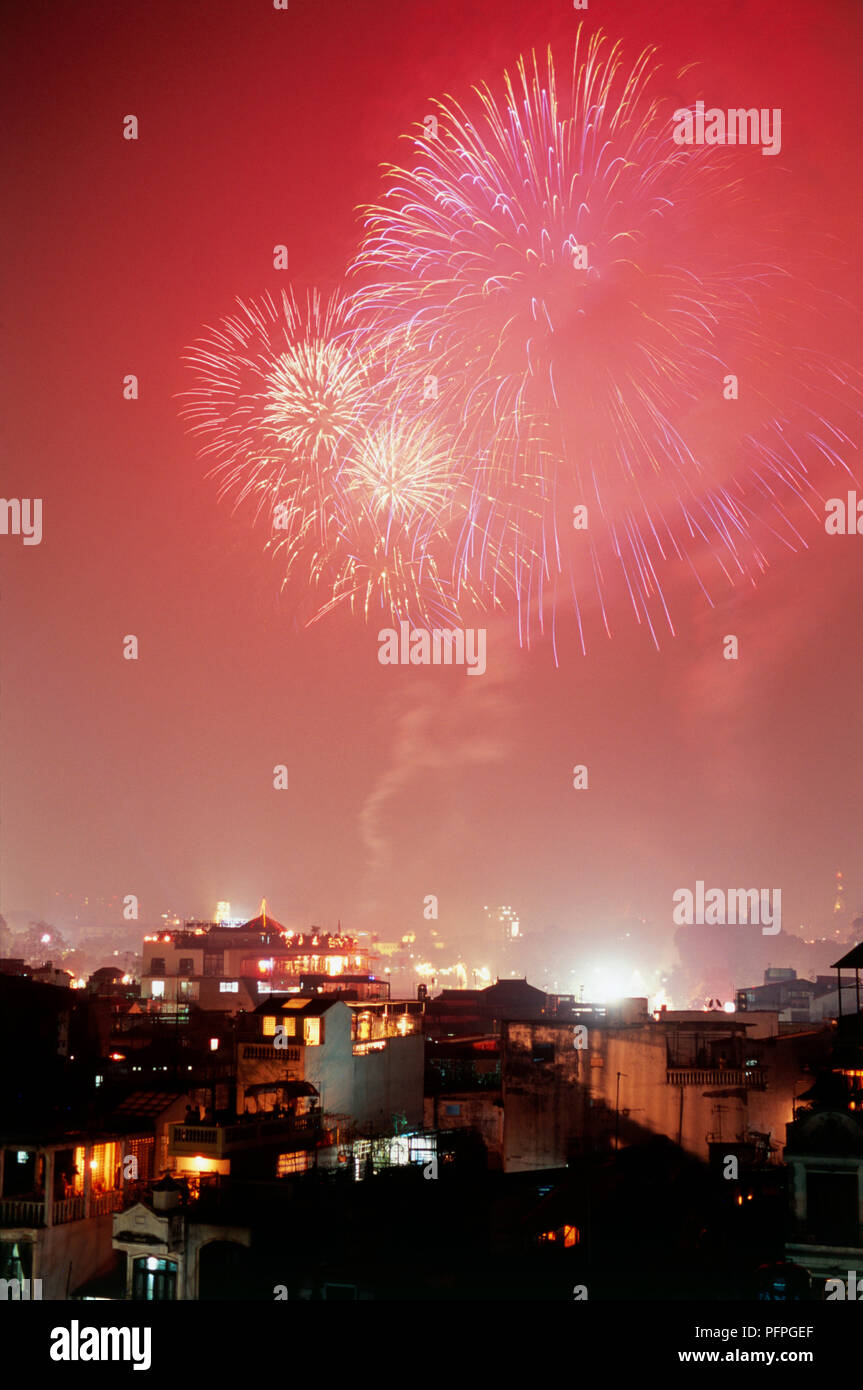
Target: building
(796,1000)
(824,1151)
(168,1248)
(467,1012)
(553,1088)
(58,1192)
(364,1059)
(231,968)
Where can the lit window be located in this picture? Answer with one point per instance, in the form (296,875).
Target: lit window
(214,1046)
(568,1236)
(158,989)
(229,986)
(103,1166)
(269,1026)
(311,1031)
(292,1163)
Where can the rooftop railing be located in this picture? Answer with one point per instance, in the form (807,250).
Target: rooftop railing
(752,1077)
(217,1141)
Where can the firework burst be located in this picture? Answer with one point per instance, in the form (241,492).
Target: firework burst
(554,259)
(399,499)
(548,304)
(281,389)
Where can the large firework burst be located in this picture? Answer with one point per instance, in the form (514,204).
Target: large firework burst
(581,286)
(549,303)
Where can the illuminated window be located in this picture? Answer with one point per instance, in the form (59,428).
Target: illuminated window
(269,1030)
(104,1163)
(158,989)
(293,1163)
(76,1178)
(154,1280)
(311,1031)
(568,1236)
(229,986)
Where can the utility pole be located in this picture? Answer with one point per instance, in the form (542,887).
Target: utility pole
(617,1110)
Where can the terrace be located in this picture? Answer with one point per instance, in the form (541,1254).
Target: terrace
(222,1140)
(57,1183)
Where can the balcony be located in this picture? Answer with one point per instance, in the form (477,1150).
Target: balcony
(752,1078)
(220,1141)
(16,1211)
(268,1052)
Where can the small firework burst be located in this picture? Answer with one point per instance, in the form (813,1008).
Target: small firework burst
(280,389)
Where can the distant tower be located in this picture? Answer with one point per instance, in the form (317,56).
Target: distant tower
(838,897)
(223,911)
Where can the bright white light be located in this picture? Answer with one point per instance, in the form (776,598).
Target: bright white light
(607,983)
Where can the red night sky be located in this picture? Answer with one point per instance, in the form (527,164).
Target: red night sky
(154,777)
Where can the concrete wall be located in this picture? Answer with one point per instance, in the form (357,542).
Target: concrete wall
(686,1114)
(69,1255)
(390,1082)
(543,1103)
(329,1066)
(479,1110)
(555,1107)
